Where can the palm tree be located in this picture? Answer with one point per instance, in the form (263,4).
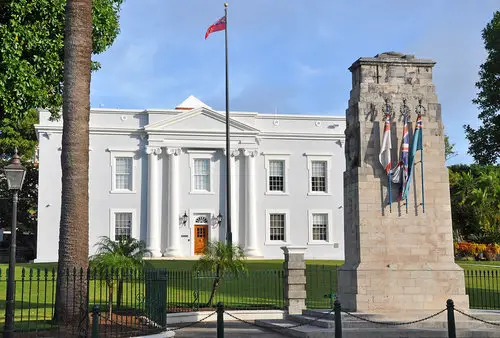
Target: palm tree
(73,233)
(221,258)
(118,257)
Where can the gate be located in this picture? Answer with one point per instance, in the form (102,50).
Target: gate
(156,296)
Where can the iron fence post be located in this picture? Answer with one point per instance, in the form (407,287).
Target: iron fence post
(338,319)
(11,284)
(220,320)
(95,321)
(332,294)
(450,307)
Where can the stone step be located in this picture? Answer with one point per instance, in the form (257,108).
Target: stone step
(288,328)
(487,315)
(355,323)
(438,322)
(326,323)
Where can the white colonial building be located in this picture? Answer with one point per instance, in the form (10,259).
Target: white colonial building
(159,175)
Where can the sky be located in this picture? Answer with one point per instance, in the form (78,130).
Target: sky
(289,56)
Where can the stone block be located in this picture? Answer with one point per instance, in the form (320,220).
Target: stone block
(298,294)
(295,306)
(296,280)
(295,265)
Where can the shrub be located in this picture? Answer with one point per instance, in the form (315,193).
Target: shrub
(465,250)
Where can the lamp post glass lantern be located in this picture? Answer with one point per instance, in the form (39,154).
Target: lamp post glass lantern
(14,172)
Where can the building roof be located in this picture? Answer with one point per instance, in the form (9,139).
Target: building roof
(192,102)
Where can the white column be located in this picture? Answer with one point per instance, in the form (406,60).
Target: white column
(153,231)
(173,238)
(235,222)
(251,248)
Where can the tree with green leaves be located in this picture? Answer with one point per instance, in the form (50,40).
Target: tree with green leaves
(475,201)
(31,63)
(449,148)
(222,259)
(485,140)
(52,41)
(114,259)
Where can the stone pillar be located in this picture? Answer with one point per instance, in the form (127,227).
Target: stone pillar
(398,257)
(251,248)
(295,279)
(235,221)
(154,230)
(173,247)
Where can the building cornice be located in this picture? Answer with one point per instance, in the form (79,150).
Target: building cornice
(196,135)
(300,117)
(92,130)
(302,136)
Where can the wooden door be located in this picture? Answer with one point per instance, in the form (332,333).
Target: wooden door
(200,238)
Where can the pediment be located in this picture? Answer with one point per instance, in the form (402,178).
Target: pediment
(200,119)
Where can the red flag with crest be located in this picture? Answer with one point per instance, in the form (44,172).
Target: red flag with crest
(220,25)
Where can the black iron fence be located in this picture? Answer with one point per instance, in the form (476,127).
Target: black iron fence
(129,302)
(321,286)
(252,290)
(483,288)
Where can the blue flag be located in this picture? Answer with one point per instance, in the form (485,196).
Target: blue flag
(416,145)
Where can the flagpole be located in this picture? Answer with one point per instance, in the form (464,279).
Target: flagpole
(422,165)
(229,234)
(389,174)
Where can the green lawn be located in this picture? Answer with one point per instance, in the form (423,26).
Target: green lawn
(262,286)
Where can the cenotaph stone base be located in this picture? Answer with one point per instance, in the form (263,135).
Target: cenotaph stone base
(399,254)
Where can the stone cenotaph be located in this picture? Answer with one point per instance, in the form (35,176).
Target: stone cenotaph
(399,252)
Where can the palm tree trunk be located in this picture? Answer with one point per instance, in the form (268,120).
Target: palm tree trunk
(110,301)
(215,285)
(71,298)
(119,294)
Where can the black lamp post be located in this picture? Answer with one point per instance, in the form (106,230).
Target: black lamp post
(14,173)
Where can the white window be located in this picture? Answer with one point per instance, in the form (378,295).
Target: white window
(320,227)
(277,227)
(123,173)
(319,168)
(277,174)
(202,174)
(122,224)
(123,167)
(318,176)
(202,171)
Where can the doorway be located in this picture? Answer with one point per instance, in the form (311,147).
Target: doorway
(200,235)
(200,238)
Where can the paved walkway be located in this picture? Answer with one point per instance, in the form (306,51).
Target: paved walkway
(231,330)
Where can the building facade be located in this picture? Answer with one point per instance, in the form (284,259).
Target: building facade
(159,175)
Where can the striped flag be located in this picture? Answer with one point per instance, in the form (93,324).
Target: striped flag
(385,150)
(415,146)
(401,172)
